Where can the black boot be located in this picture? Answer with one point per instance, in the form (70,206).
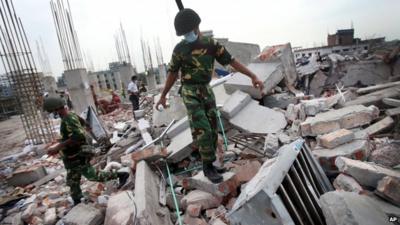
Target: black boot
(211,173)
(122,177)
(220,169)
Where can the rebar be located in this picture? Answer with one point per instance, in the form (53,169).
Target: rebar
(20,68)
(67,38)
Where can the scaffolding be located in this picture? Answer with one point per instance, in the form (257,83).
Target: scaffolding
(19,65)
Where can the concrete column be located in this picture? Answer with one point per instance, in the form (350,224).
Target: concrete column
(94,81)
(50,85)
(162,69)
(125,73)
(118,81)
(102,81)
(151,81)
(79,90)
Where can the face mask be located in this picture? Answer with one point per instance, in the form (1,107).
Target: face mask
(191,37)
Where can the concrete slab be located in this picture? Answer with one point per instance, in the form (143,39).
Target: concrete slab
(388,188)
(269,73)
(120,209)
(348,208)
(25,176)
(367,174)
(178,127)
(317,83)
(347,183)
(180,148)
(84,214)
(348,117)
(379,126)
(147,197)
(235,103)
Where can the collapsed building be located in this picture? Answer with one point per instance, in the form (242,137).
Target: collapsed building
(321,147)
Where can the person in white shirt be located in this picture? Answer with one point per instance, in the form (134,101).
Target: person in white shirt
(133,93)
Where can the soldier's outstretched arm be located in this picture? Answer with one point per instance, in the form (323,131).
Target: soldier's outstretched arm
(243,69)
(171,78)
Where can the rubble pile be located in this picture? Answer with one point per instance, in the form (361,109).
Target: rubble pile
(327,124)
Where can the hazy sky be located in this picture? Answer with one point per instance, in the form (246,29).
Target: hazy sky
(302,22)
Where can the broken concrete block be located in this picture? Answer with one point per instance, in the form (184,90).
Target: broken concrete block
(335,138)
(178,127)
(391,102)
(139,113)
(292,113)
(120,209)
(201,182)
(180,146)
(389,189)
(16,219)
(387,155)
(193,210)
(187,219)
(269,73)
(358,149)
(366,72)
(347,183)
(367,174)
(348,208)
(379,126)
(147,196)
(25,176)
(393,112)
(271,144)
(375,97)
(50,217)
(281,100)
(28,212)
(216,221)
(84,214)
(377,87)
(150,154)
(244,118)
(317,84)
(202,198)
(143,125)
(348,117)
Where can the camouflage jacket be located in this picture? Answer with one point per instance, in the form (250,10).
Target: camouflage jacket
(196,60)
(71,127)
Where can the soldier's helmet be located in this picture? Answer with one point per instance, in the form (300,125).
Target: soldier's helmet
(185,21)
(51,104)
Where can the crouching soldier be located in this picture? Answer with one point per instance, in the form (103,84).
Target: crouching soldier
(72,148)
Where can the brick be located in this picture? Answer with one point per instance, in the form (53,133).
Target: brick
(347,118)
(389,189)
(246,170)
(193,210)
(387,155)
(335,138)
(150,154)
(357,149)
(366,174)
(347,183)
(379,126)
(205,199)
(201,182)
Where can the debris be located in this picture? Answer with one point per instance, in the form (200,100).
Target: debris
(240,110)
(348,117)
(348,208)
(147,197)
(187,219)
(180,146)
(366,174)
(317,83)
(271,143)
(150,154)
(202,198)
(391,102)
(50,217)
(347,183)
(24,176)
(245,170)
(335,138)
(193,210)
(388,188)
(270,74)
(377,87)
(83,214)
(121,209)
(393,112)
(374,97)
(387,155)
(379,126)
(279,100)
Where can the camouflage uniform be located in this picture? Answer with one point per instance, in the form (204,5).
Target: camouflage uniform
(75,162)
(196,63)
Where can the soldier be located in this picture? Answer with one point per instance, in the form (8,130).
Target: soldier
(72,147)
(194,57)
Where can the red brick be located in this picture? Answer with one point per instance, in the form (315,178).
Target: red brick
(150,154)
(193,210)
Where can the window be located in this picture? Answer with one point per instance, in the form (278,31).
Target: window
(304,54)
(366,48)
(345,49)
(309,54)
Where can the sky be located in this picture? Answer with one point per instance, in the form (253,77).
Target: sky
(304,23)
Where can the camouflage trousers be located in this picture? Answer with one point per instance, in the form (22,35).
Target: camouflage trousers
(202,113)
(81,166)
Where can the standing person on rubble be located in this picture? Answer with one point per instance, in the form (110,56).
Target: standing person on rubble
(194,58)
(134,94)
(75,150)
